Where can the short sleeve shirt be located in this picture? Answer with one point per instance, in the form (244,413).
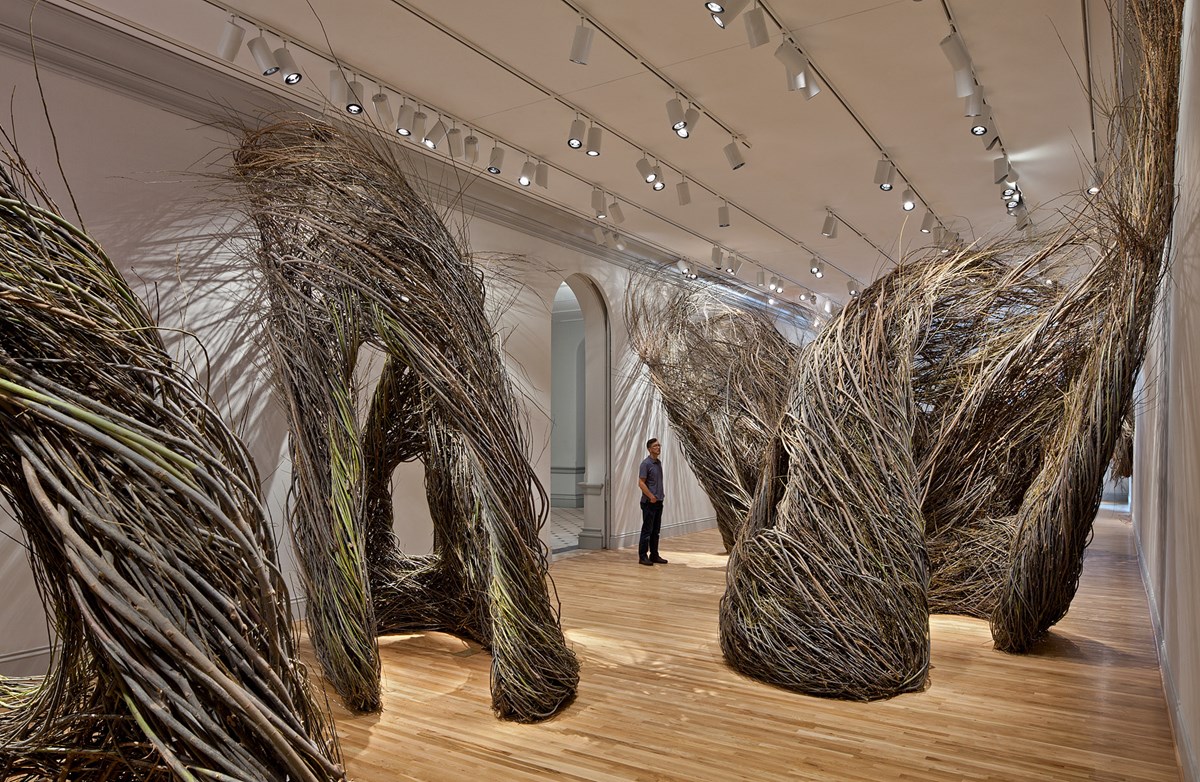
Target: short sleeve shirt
(650,471)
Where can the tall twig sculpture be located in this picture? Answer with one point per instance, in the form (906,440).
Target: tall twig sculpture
(350,254)
(177,658)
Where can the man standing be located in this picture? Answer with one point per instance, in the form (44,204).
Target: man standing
(650,481)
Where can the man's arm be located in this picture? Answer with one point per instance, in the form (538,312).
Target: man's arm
(642,485)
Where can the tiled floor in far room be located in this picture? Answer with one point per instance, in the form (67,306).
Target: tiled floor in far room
(565,524)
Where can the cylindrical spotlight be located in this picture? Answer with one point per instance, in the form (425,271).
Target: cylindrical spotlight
(598,233)
(908,201)
(723,216)
(339,89)
(1001,169)
(614,211)
(354,101)
(525,178)
(594,137)
(471,149)
(1094,185)
(690,117)
(981,124)
(263,55)
(683,266)
(729,11)
(790,56)
(735,265)
(232,36)
(659,182)
(684,191)
(964,83)
(496,161)
(454,142)
(928,222)
(829,227)
(288,67)
(734,155)
(716,257)
(853,287)
(816,267)
(646,170)
(383,110)
(811,87)
(418,125)
(756,27)
(435,136)
(973,104)
(675,114)
(597,199)
(885,171)
(760,278)
(541,175)
(404,119)
(575,137)
(581,44)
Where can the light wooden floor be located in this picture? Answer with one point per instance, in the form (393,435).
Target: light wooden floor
(656,701)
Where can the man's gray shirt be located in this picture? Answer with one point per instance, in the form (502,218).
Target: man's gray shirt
(650,471)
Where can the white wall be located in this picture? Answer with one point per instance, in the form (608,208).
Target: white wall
(1166,479)
(567,404)
(166,230)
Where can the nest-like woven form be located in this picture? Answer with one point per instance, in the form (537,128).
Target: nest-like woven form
(177,656)
(722,374)
(351,255)
(944,443)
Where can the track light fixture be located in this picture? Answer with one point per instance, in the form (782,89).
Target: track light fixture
(805,295)
(1012,198)
(1094,185)
(581,44)
(853,287)
(614,211)
(418,125)
(725,12)
(885,171)
(773,283)
(908,201)
(232,36)
(733,264)
(734,155)
(541,175)
(496,161)
(973,105)
(646,170)
(717,257)
(1002,170)
(659,182)
(690,118)
(760,278)
(598,233)
(723,216)
(816,267)
(471,149)
(339,89)
(598,202)
(525,178)
(675,114)
(454,141)
(956,53)
(771,301)
(928,222)
(263,56)
(829,227)
(404,119)
(575,137)
(288,67)
(683,266)
(383,110)
(756,27)
(795,62)
(435,136)
(981,125)
(594,137)
(684,192)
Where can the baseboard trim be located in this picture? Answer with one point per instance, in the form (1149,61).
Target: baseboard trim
(25,659)
(566,500)
(1189,762)
(627,539)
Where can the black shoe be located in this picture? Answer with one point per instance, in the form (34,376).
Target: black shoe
(656,559)
(645,561)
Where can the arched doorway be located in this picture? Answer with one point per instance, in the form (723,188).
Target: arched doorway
(580,411)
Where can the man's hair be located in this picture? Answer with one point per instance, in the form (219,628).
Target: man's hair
(651,441)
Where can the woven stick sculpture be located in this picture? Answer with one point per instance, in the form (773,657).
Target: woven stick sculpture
(350,255)
(945,439)
(177,656)
(722,374)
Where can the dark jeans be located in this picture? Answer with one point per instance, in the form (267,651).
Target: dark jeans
(651,524)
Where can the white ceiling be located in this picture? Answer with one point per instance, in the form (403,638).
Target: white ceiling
(502,69)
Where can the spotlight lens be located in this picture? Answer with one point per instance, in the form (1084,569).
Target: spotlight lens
(1013,204)
(683,133)
(354,108)
(574,143)
(820,274)
(593,153)
(429,143)
(715,8)
(523,181)
(678,126)
(1093,190)
(659,185)
(720,22)
(493,170)
(886,186)
(292,78)
(404,131)
(978,130)
(271,71)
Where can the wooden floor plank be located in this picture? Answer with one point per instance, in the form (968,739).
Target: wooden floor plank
(657,701)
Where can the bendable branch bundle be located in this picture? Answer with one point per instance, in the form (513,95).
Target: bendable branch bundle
(177,656)
(722,374)
(351,255)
